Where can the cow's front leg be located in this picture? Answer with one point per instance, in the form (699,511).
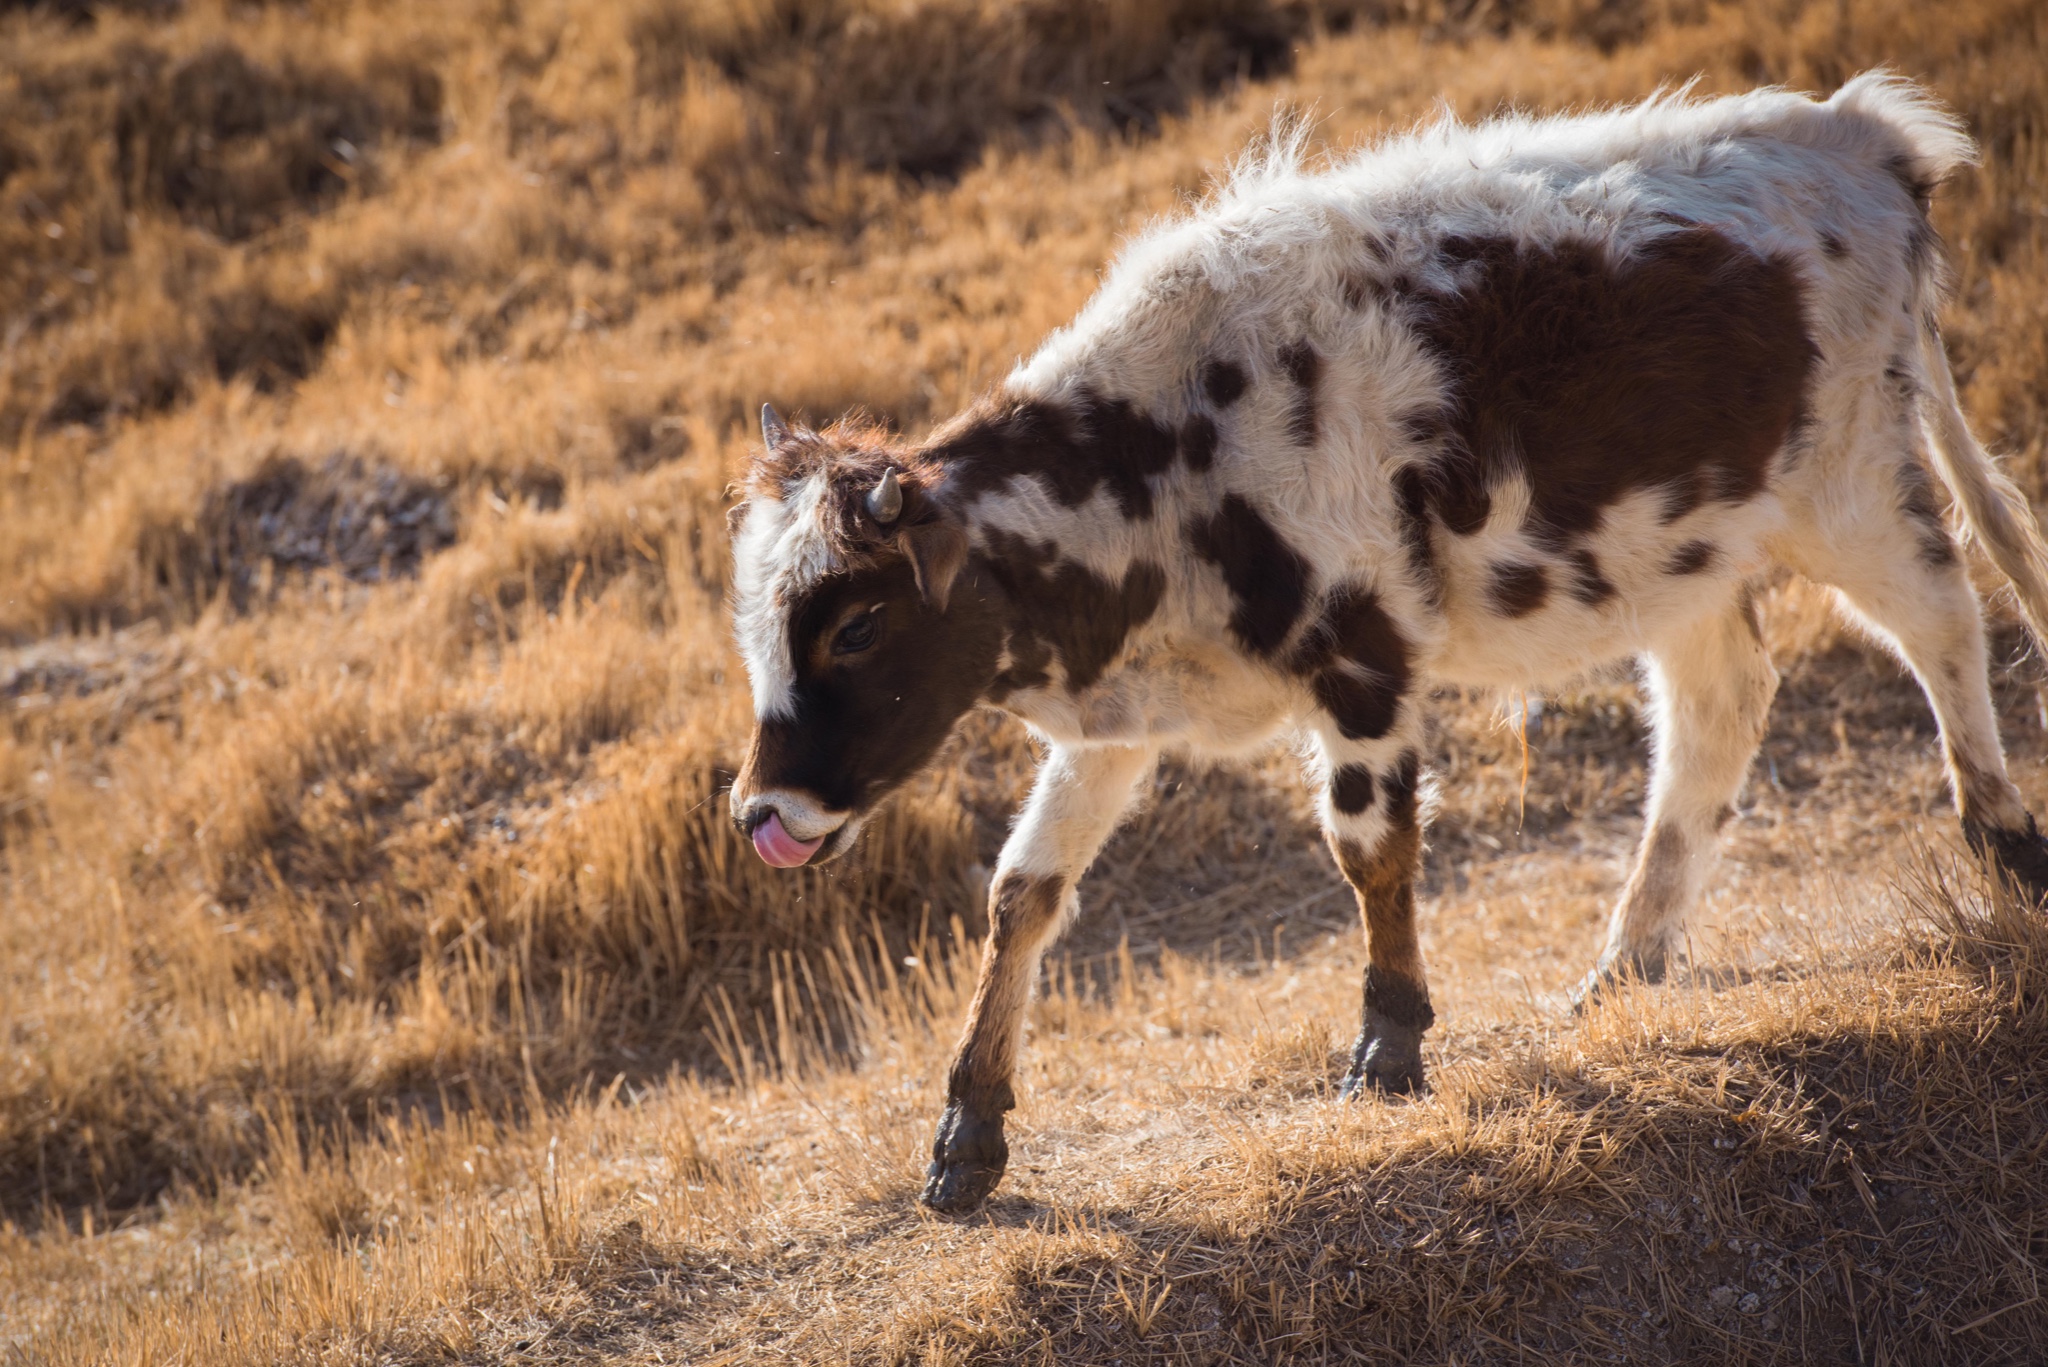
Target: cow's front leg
(1369,812)
(1074,806)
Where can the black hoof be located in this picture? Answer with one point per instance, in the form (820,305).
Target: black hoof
(2020,857)
(1387,1059)
(1615,969)
(968,1158)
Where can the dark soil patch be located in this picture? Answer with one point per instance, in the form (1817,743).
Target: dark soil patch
(369,521)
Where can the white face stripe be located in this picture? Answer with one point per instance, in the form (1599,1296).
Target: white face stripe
(781,550)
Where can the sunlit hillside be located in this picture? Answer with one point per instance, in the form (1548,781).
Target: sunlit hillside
(381,979)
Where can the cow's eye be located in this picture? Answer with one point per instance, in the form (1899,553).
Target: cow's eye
(855,636)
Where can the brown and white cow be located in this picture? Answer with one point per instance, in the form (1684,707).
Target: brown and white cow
(1483,405)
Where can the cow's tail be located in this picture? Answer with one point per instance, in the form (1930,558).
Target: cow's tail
(1995,512)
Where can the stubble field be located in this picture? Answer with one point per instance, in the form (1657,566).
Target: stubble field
(381,979)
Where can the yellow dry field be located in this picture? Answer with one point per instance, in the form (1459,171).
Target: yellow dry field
(381,979)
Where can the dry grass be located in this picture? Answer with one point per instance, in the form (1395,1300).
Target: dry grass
(381,981)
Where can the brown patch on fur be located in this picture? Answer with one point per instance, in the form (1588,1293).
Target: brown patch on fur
(1832,244)
(1691,558)
(1030,666)
(1401,784)
(1356,661)
(1224,382)
(1516,590)
(1268,579)
(1351,789)
(1589,585)
(1022,911)
(1065,608)
(1683,369)
(1074,449)
(1304,366)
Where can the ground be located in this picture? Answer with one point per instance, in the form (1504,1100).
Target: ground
(381,979)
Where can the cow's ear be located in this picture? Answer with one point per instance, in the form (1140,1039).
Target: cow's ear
(937,551)
(774,431)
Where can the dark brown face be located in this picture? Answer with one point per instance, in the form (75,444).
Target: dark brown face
(880,676)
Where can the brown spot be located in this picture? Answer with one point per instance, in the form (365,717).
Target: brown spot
(1223,382)
(1022,911)
(1198,443)
(1268,579)
(1917,504)
(1425,426)
(1357,663)
(1080,616)
(1030,666)
(1074,449)
(1517,590)
(1304,366)
(1451,484)
(1682,368)
(1351,789)
(1690,558)
(1589,585)
(1832,244)
(1400,784)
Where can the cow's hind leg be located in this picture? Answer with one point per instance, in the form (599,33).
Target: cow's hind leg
(1711,686)
(1893,564)
(1369,813)
(1074,805)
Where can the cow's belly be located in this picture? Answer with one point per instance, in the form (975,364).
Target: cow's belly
(1518,614)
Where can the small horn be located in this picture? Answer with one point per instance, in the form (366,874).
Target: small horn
(885,500)
(774,431)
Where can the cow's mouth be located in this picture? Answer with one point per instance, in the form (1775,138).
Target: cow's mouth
(777,847)
(780,848)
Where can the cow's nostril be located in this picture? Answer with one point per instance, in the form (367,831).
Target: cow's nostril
(749,820)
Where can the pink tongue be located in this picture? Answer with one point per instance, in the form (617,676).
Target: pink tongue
(779,848)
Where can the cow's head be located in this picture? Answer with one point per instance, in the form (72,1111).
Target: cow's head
(866,626)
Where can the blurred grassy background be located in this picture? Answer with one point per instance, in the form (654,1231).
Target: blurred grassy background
(371,380)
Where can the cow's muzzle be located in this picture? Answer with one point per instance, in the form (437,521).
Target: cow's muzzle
(788,829)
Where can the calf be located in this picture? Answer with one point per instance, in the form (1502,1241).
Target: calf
(1484,405)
